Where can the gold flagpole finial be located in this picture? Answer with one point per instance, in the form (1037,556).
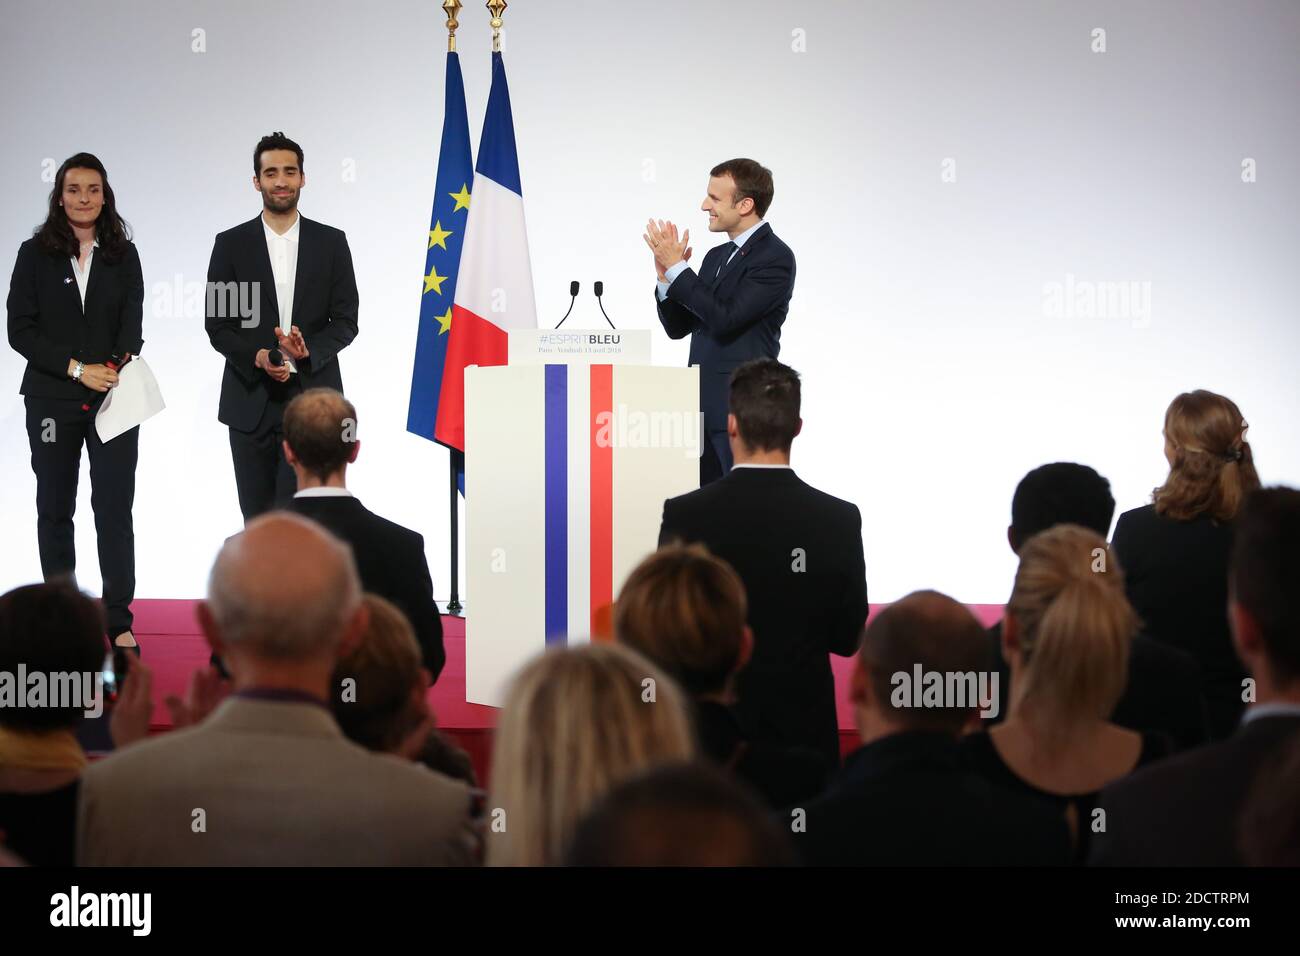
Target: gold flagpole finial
(451,8)
(496,8)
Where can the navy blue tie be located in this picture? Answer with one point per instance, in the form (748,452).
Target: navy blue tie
(727,252)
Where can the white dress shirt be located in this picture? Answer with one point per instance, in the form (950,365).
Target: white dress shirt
(83,276)
(283,250)
(322,491)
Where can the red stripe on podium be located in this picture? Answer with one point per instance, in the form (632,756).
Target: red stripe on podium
(602,490)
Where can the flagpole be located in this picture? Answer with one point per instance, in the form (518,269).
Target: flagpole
(455,458)
(496,8)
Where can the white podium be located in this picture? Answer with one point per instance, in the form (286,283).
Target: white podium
(568,463)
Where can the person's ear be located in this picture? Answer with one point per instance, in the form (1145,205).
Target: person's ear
(746,648)
(860,685)
(208,626)
(1010,637)
(1013,539)
(257,182)
(798,428)
(354,451)
(355,630)
(733,430)
(1247,640)
(289,456)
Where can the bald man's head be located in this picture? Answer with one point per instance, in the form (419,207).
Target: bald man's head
(932,630)
(283,589)
(320,428)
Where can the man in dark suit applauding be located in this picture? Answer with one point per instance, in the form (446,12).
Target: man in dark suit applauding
(733,309)
(798,552)
(320,442)
(281,305)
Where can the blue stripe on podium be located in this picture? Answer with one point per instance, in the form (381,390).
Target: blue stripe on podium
(556,443)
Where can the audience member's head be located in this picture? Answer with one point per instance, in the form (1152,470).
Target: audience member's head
(1269,826)
(1211,466)
(379,685)
(925,630)
(320,435)
(1067,631)
(51,629)
(1059,493)
(284,601)
(764,413)
(1264,589)
(577,722)
(685,609)
(685,814)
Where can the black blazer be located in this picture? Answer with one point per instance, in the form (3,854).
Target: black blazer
(736,320)
(324,308)
(1163,692)
(1184,811)
(48,326)
(907,800)
(1176,576)
(391,563)
(780,776)
(766,523)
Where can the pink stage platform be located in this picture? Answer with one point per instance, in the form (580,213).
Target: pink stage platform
(174,648)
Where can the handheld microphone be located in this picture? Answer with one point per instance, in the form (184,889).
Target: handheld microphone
(275,357)
(573,297)
(600,290)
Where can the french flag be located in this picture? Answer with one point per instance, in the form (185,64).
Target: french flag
(494,285)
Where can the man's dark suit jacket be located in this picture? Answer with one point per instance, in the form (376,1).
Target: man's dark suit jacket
(736,320)
(908,800)
(324,308)
(391,563)
(1163,693)
(1186,809)
(1176,577)
(799,553)
(47,325)
(782,776)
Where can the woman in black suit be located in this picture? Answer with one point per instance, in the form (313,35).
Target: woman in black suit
(1175,550)
(75,306)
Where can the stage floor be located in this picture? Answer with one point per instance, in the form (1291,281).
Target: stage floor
(174,648)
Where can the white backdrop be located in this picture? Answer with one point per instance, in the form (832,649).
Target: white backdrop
(955,178)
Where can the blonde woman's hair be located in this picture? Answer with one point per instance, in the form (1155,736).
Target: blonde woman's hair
(1075,627)
(577,722)
(1214,468)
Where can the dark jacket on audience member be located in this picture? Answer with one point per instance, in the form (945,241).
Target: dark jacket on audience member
(799,553)
(782,776)
(907,800)
(982,757)
(41,828)
(1163,692)
(1176,576)
(1185,811)
(391,563)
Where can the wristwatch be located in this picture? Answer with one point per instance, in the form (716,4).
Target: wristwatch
(76,372)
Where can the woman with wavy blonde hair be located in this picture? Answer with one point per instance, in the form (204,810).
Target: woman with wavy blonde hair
(1175,550)
(1066,636)
(577,722)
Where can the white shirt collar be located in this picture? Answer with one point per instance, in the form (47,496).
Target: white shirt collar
(1277,708)
(744,237)
(322,491)
(754,464)
(291,234)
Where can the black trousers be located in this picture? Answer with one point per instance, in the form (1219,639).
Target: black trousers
(56,430)
(263,477)
(715,457)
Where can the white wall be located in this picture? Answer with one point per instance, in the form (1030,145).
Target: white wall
(934,375)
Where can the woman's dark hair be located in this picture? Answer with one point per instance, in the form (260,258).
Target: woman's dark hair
(51,629)
(55,235)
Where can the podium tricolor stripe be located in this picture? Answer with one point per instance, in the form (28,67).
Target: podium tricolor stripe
(557,503)
(602,490)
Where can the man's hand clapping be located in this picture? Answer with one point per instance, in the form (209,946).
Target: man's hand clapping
(667,247)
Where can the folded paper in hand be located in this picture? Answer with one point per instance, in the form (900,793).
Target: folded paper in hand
(134,399)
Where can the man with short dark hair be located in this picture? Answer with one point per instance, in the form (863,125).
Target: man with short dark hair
(1163,689)
(320,441)
(734,307)
(1185,810)
(905,797)
(281,305)
(798,552)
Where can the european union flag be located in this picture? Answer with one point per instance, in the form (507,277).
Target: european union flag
(446,235)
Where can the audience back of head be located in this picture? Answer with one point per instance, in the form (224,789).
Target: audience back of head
(1211,465)
(1264,585)
(320,426)
(679,815)
(577,721)
(1060,493)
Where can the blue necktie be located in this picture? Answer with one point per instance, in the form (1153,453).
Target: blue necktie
(727,251)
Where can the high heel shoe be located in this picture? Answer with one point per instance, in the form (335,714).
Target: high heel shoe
(133,644)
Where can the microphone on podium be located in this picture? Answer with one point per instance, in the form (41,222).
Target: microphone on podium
(600,290)
(573,297)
